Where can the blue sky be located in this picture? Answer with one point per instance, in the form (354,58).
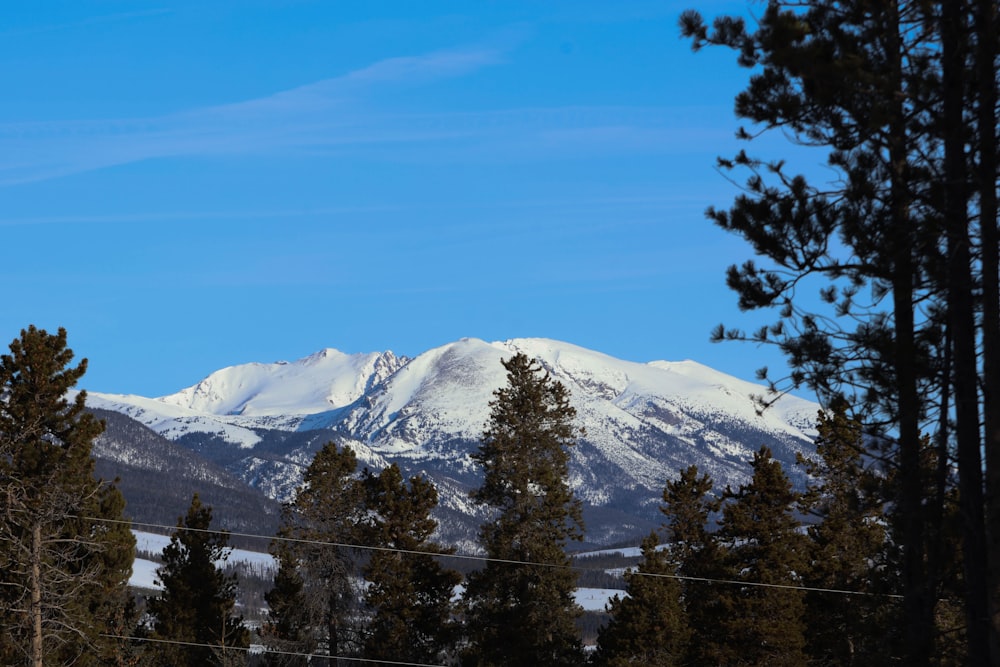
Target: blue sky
(188,185)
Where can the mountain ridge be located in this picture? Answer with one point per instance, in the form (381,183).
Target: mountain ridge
(642,421)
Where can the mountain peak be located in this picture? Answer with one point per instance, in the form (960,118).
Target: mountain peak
(325,380)
(642,421)
(321,355)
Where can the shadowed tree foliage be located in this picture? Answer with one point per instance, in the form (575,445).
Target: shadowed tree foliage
(649,626)
(696,556)
(317,605)
(525,614)
(65,551)
(286,629)
(197,602)
(409,593)
(848,550)
(762,625)
(901,244)
(317,601)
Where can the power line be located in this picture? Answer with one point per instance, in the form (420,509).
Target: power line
(258,649)
(503,561)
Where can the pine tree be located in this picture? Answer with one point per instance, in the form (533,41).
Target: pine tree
(697,558)
(195,607)
(764,624)
(516,613)
(286,630)
(903,96)
(986,22)
(648,626)
(320,600)
(112,605)
(65,551)
(847,545)
(409,592)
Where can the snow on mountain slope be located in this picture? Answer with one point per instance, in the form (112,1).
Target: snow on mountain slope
(442,391)
(643,422)
(448,390)
(230,403)
(717,392)
(448,387)
(649,420)
(172,421)
(405,407)
(322,381)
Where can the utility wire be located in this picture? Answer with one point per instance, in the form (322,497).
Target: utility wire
(263,650)
(504,561)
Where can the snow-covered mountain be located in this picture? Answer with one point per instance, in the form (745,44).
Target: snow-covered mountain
(322,381)
(643,422)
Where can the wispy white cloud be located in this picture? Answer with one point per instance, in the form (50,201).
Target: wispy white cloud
(331,93)
(215,215)
(424,68)
(349,113)
(662,202)
(320,113)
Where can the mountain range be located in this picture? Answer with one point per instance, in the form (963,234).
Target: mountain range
(245,434)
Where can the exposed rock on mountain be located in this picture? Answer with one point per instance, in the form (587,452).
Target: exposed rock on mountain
(642,422)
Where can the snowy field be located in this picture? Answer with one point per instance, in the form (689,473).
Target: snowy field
(595,599)
(144,571)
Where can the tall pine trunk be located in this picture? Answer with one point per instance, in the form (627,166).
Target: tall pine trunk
(918,605)
(36,595)
(961,318)
(333,630)
(987,40)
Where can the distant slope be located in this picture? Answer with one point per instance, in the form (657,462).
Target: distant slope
(158,478)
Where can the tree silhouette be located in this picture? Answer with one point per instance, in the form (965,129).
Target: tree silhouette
(65,551)
(409,593)
(194,612)
(517,613)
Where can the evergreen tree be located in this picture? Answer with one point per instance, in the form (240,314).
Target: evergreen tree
(320,603)
(112,604)
(195,607)
(286,630)
(516,613)
(904,95)
(963,279)
(881,85)
(764,623)
(648,626)
(697,558)
(986,23)
(65,551)
(847,549)
(409,592)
